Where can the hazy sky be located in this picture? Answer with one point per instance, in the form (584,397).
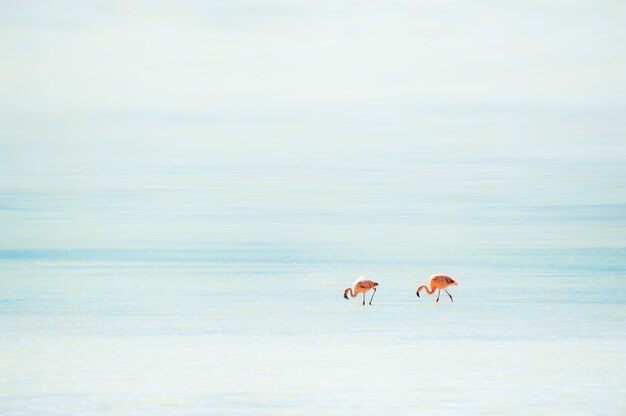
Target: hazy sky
(114,56)
(437,71)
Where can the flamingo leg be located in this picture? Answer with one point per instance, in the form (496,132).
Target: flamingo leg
(372,296)
(363,298)
(438,293)
(449,295)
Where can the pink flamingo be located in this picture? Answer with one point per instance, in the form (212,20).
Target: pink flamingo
(361,285)
(438,282)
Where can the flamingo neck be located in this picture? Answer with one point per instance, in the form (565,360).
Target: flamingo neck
(428,290)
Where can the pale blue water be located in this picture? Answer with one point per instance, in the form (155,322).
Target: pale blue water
(219,290)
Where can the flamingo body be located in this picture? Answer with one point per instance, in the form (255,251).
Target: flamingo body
(438,282)
(361,285)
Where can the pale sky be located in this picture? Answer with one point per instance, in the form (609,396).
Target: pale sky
(142,56)
(322,68)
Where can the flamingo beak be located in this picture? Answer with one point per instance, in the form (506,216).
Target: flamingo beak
(418,294)
(345,296)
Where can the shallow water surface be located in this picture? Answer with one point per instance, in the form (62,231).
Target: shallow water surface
(182,335)
(213,287)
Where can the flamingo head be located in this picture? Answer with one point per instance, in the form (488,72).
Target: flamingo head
(345,294)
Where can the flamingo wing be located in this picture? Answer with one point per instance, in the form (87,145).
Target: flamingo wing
(366,284)
(441,279)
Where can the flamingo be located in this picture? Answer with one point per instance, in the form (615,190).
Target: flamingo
(361,285)
(440,282)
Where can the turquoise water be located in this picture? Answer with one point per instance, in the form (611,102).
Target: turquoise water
(219,291)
